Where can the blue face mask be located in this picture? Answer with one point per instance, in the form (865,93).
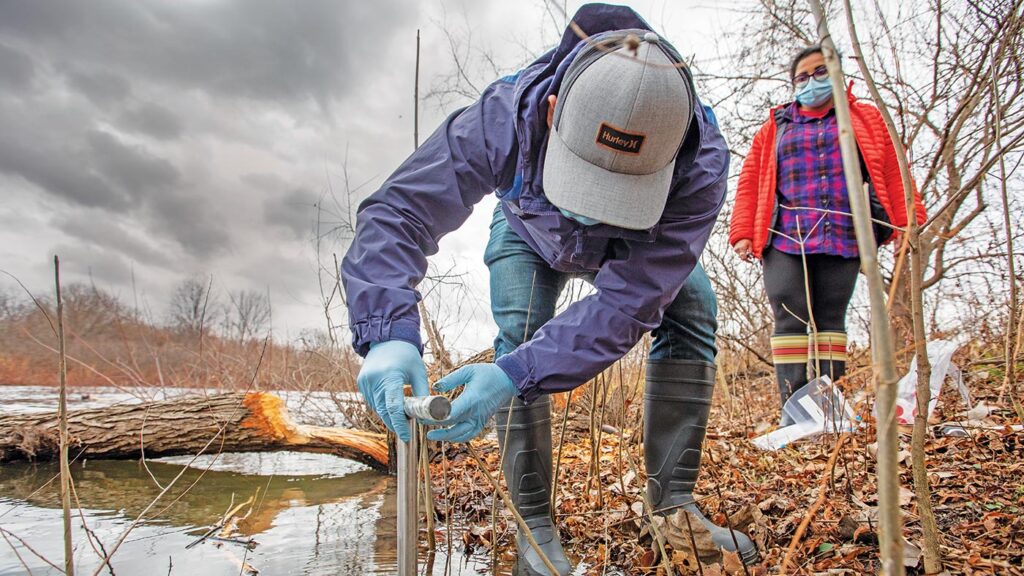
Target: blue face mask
(581,219)
(814,93)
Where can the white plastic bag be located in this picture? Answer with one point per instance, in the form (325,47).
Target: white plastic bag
(816,408)
(940,354)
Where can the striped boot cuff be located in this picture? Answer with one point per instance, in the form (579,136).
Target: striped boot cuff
(830,346)
(789,349)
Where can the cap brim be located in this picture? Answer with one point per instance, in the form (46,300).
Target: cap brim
(631,201)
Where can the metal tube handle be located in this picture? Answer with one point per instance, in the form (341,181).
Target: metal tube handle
(427,407)
(416,407)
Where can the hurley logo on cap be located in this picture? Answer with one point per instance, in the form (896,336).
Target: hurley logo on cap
(619,140)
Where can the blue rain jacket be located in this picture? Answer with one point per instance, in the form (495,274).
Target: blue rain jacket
(497,145)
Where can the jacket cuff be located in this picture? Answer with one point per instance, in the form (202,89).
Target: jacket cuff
(736,236)
(377,329)
(520,376)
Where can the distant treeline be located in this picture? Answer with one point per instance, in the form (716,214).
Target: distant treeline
(198,342)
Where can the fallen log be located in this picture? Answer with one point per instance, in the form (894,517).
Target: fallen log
(238,422)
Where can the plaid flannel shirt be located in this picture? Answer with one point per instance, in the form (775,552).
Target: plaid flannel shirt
(811,182)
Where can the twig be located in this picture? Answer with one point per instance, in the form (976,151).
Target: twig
(90,535)
(227,516)
(558,455)
(62,409)
(932,555)
(16,553)
(39,305)
(512,508)
(142,449)
(259,506)
(428,490)
(594,388)
(897,270)
(693,543)
(622,425)
(416,97)
(728,524)
(890,527)
(659,539)
(1009,375)
(447,512)
(600,432)
(822,489)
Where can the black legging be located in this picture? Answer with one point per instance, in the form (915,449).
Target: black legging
(831,280)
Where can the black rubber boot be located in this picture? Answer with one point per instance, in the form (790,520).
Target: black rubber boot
(527,469)
(790,378)
(677,403)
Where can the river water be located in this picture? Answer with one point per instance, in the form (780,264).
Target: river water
(312,514)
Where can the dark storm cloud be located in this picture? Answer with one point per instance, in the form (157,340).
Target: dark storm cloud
(192,224)
(268,182)
(259,49)
(90,168)
(141,66)
(153,120)
(58,169)
(127,130)
(294,211)
(99,229)
(137,171)
(16,68)
(101,88)
(100,266)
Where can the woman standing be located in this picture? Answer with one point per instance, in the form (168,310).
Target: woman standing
(792,211)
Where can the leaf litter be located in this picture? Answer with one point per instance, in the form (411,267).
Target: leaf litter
(976,481)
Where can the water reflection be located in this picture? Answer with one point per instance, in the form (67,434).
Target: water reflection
(317,514)
(202,496)
(301,524)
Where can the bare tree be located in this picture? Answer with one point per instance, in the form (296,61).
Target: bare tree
(475,63)
(11,306)
(922,488)
(335,229)
(90,311)
(247,314)
(192,306)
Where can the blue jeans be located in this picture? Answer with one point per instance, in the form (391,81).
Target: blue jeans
(525,289)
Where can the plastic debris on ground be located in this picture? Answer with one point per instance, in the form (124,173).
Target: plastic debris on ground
(940,355)
(816,408)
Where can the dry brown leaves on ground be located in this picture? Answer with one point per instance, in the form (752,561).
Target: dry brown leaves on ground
(976,482)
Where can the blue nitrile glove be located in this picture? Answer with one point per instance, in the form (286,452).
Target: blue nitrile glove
(487,388)
(388,367)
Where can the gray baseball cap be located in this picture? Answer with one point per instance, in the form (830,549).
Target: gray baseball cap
(623,110)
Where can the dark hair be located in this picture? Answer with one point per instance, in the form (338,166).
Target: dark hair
(812,49)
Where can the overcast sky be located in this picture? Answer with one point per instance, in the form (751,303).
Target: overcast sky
(152,141)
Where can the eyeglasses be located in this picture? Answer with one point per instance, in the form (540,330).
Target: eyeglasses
(801,80)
